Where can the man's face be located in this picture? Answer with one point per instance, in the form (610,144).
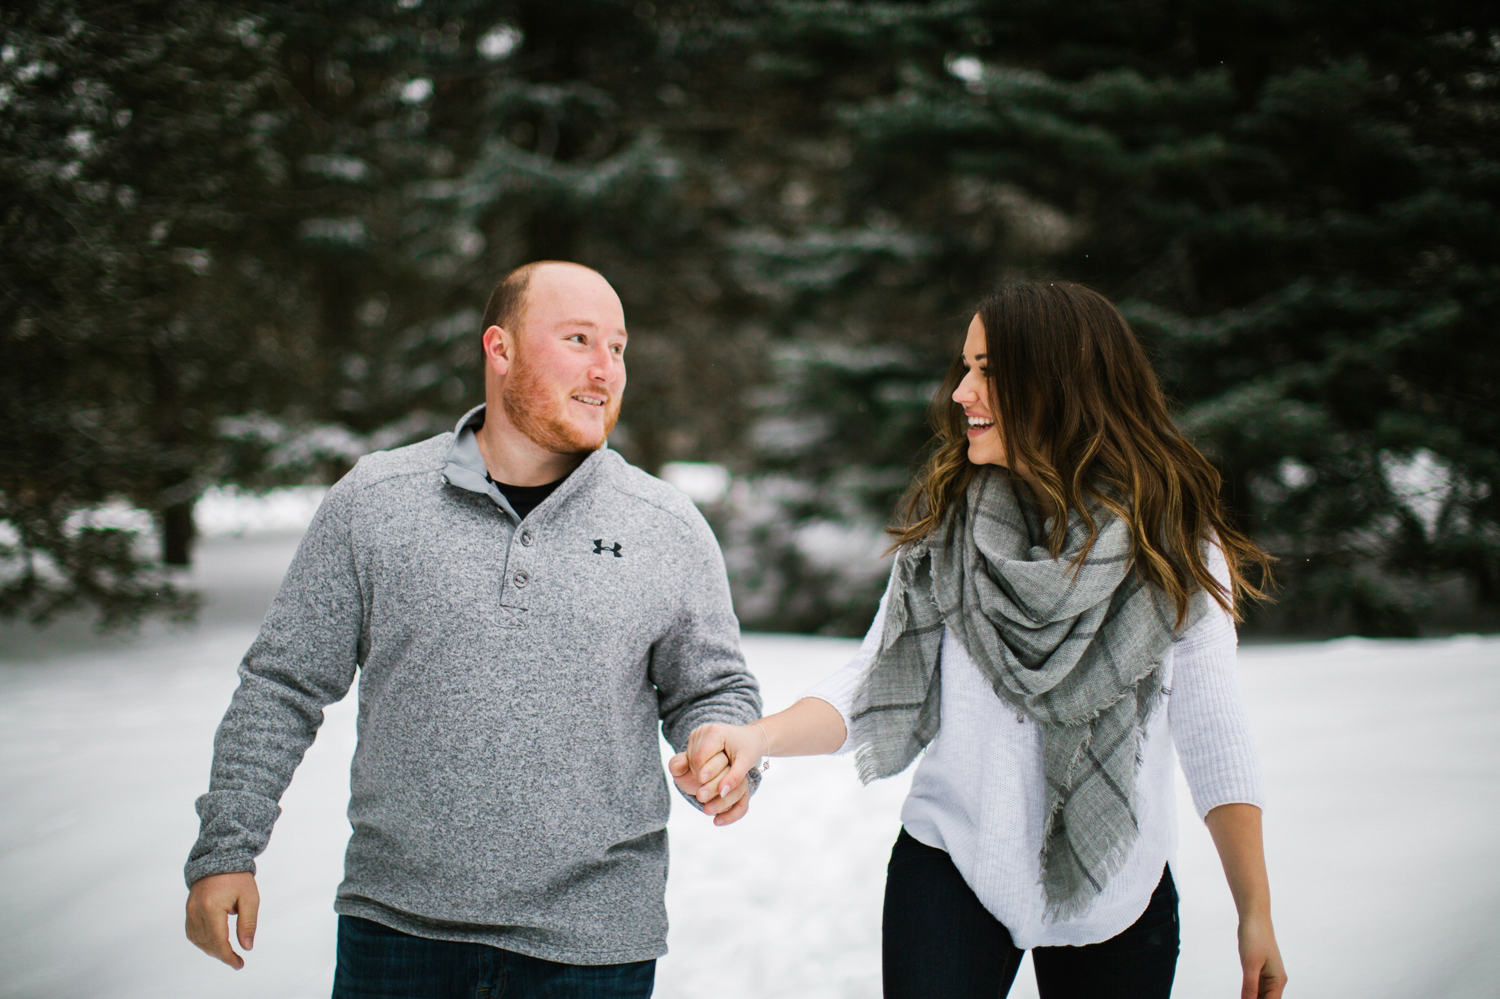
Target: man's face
(568,370)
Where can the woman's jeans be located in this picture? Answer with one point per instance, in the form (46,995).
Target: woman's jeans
(939,941)
(377,962)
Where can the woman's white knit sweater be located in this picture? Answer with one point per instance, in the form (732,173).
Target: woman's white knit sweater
(978,792)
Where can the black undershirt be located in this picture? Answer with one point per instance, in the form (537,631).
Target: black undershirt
(524,499)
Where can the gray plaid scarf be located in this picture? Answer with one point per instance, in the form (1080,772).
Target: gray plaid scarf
(1078,652)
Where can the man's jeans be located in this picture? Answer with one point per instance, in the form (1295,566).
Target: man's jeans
(376,962)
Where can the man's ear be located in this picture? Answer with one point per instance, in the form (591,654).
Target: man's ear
(499,350)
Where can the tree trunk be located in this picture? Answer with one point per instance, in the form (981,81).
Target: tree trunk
(177,533)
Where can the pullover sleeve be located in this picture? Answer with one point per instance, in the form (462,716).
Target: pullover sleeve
(697,666)
(1208,720)
(839,688)
(304,659)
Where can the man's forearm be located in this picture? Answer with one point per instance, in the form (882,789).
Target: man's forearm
(303,659)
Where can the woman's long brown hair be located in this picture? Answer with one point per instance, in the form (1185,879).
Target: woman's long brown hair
(1074,398)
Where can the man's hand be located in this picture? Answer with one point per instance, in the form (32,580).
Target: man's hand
(714,766)
(209,904)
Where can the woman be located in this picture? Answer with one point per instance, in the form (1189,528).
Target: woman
(1060,614)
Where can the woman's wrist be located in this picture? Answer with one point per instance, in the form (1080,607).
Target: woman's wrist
(1256,913)
(765,735)
(1252,901)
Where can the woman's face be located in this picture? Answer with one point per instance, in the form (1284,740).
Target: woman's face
(973,394)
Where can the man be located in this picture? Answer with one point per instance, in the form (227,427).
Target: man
(522,606)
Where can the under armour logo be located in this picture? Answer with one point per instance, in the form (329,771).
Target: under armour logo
(600,549)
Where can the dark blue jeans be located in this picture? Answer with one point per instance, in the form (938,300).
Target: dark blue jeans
(940,942)
(377,962)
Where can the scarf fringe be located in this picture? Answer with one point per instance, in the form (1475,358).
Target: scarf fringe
(869,768)
(1077,903)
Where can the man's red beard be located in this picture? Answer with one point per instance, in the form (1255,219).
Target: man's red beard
(533,410)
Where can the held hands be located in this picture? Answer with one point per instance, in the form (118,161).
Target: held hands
(209,904)
(713,768)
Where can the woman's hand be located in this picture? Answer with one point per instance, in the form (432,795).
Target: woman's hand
(1260,960)
(718,757)
(714,766)
(1236,832)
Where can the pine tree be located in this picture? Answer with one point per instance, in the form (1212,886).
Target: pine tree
(130,165)
(248,243)
(1295,205)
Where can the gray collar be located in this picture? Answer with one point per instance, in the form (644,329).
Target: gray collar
(465,467)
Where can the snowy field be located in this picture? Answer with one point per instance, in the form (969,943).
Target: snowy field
(1382,764)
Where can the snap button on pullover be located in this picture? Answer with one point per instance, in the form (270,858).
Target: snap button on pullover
(526,538)
(521,578)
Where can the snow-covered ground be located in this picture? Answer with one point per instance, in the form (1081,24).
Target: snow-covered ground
(1382,763)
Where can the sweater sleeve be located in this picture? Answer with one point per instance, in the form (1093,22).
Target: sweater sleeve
(839,688)
(304,658)
(1207,715)
(697,666)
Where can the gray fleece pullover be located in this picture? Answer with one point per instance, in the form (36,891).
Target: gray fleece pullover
(507,788)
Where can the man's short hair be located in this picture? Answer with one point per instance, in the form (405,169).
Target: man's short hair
(507,305)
